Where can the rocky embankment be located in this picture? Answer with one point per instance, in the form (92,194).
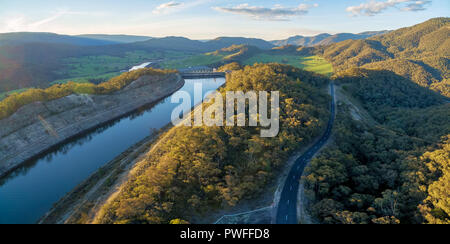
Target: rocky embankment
(40,126)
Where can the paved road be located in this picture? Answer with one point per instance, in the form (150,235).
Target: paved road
(287,207)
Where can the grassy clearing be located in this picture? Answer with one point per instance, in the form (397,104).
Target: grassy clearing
(88,79)
(312,63)
(98,65)
(95,67)
(197,60)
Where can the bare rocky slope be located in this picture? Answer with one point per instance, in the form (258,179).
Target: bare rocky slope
(40,126)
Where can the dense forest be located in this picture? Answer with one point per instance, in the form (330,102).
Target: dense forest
(236,52)
(196,169)
(420,53)
(395,171)
(325,39)
(13,102)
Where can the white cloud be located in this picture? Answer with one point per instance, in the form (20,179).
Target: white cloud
(165,7)
(56,16)
(416,6)
(373,7)
(20,22)
(277,13)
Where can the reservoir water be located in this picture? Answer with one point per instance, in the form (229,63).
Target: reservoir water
(30,191)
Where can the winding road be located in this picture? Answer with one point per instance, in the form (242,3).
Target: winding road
(287,207)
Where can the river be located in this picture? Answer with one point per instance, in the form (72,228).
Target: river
(30,191)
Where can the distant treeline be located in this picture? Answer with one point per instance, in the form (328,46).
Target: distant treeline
(13,102)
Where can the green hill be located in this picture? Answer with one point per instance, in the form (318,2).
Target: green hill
(185,44)
(420,53)
(222,42)
(325,38)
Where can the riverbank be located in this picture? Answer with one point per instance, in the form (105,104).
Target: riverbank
(38,127)
(82,203)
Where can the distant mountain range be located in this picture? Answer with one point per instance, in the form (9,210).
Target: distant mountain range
(176,43)
(18,38)
(168,43)
(116,38)
(222,42)
(325,39)
(185,44)
(420,53)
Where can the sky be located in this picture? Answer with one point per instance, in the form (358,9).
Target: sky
(207,19)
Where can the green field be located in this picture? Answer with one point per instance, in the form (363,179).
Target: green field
(84,69)
(96,69)
(196,60)
(88,79)
(311,63)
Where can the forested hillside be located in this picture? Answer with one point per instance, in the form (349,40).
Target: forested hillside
(325,39)
(420,53)
(221,42)
(237,53)
(185,44)
(393,172)
(395,169)
(12,103)
(193,170)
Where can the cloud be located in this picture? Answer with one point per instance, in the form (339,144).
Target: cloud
(56,16)
(21,22)
(277,13)
(416,6)
(165,7)
(373,7)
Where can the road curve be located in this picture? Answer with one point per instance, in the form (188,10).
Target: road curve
(287,207)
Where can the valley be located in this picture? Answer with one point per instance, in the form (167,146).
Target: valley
(85,137)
